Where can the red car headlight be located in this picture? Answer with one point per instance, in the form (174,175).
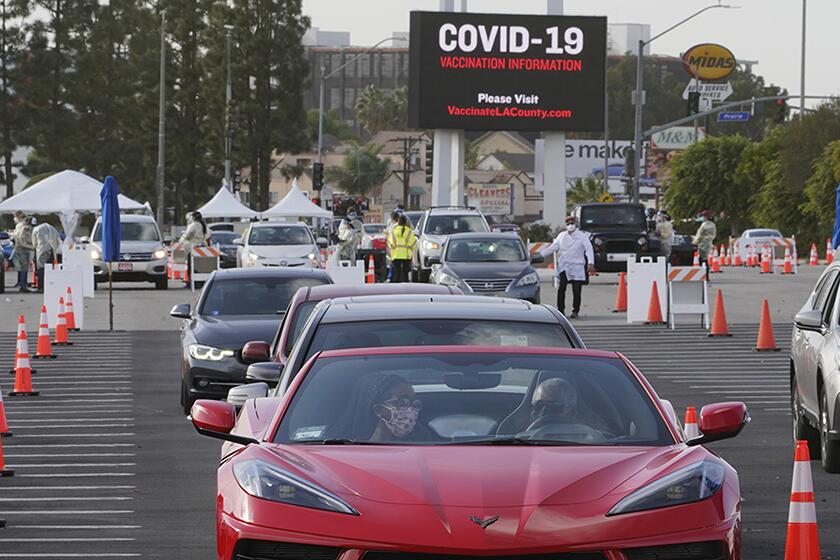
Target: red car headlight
(691,484)
(269,482)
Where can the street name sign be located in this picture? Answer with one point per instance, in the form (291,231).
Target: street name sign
(734,116)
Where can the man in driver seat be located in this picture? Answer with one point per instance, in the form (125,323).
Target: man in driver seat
(554,402)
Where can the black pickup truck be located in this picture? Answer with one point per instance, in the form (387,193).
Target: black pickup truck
(618,231)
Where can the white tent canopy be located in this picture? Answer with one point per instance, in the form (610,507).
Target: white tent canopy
(225,205)
(296,205)
(68,194)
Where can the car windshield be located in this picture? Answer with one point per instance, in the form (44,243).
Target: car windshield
(608,215)
(372,229)
(223,237)
(472,399)
(765,233)
(485,250)
(280,235)
(252,296)
(435,332)
(302,314)
(132,231)
(447,225)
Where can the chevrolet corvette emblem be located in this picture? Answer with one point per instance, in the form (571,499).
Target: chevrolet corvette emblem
(484,523)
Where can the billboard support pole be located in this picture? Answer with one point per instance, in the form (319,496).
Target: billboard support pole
(554,177)
(448,169)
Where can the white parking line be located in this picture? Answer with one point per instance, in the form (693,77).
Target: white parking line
(48,381)
(80,527)
(759,393)
(11,403)
(81,539)
(53,456)
(74,435)
(56,465)
(71,475)
(55,426)
(67,512)
(68,555)
(116,487)
(733,386)
(56,410)
(50,395)
(57,445)
(97,419)
(69,498)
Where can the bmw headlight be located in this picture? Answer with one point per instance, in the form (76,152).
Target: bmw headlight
(431,245)
(529,279)
(95,254)
(691,484)
(264,480)
(641,241)
(447,279)
(159,254)
(202,352)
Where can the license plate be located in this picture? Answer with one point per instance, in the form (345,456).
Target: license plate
(125,267)
(620,257)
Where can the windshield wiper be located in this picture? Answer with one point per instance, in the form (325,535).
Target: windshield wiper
(513,440)
(337,441)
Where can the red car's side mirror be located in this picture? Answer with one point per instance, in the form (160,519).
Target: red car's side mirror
(721,421)
(216,419)
(256,351)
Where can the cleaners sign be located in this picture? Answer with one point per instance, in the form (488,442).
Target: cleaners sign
(492,199)
(507,72)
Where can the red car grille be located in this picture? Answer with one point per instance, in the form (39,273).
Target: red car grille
(267,550)
(376,555)
(710,550)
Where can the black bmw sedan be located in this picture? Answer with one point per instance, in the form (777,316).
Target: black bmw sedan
(235,306)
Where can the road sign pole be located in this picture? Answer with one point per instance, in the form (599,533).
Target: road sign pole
(637,132)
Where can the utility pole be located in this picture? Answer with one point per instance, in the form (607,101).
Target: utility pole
(159,176)
(408,143)
(228,127)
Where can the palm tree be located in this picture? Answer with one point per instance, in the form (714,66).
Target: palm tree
(585,189)
(372,109)
(362,171)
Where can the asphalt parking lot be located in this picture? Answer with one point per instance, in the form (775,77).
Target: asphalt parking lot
(107,466)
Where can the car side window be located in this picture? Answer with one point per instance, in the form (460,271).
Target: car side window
(824,287)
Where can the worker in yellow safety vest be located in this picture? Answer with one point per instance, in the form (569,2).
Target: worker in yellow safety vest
(401,242)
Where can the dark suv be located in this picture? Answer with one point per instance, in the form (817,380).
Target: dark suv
(619,231)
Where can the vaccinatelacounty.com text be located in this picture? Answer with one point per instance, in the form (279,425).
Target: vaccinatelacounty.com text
(512,112)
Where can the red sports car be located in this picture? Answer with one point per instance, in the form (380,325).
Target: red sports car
(453,453)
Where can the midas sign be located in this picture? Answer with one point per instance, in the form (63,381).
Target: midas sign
(709,61)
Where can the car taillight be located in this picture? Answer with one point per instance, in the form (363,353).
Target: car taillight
(378,243)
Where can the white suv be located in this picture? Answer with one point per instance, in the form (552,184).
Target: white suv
(142,255)
(435,227)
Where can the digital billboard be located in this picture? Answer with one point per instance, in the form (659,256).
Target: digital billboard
(507,72)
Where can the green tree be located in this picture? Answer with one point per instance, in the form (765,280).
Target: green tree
(333,126)
(291,171)
(704,177)
(378,109)
(820,193)
(12,51)
(585,189)
(362,171)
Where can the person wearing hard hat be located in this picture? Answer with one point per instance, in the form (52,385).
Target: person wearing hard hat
(47,242)
(575,260)
(705,236)
(401,242)
(22,237)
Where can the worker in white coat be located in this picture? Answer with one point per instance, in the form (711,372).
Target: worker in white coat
(575,260)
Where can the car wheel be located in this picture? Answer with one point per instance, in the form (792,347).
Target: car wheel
(415,275)
(830,448)
(801,428)
(186,400)
(424,276)
(162,284)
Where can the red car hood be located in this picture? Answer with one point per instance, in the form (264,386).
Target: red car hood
(472,476)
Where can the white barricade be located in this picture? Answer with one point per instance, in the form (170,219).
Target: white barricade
(80,256)
(687,293)
(56,280)
(641,275)
(342,272)
(205,261)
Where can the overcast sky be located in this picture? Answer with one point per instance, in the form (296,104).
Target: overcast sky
(765,30)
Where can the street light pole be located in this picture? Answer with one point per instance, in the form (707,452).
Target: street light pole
(639,94)
(332,73)
(160,201)
(802,69)
(228,128)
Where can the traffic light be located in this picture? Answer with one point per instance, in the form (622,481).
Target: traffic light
(781,111)
(693,102)
(317,176)
(430,161)
(237,181)
(629,162)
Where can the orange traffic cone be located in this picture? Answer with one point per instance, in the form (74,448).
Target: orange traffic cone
(737,260)
(766,340)
(44,346)
(370,278)
(654,315)
(696,259)
(621,294)
(4,472)
(21,331)
(69,314)
(4,426)
(787,267)
(766,260)
(814,259)
(61,338)
(719,326)
(829,252)
(691,429)
(714,264)
(803,542)
(23,371)
(751,257)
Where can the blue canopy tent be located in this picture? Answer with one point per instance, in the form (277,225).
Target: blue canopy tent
(835,237)
(109,196)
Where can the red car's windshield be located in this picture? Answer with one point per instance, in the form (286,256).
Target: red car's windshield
(472,398)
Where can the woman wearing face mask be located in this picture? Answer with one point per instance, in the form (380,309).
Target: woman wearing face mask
(395,408)
(575,259)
